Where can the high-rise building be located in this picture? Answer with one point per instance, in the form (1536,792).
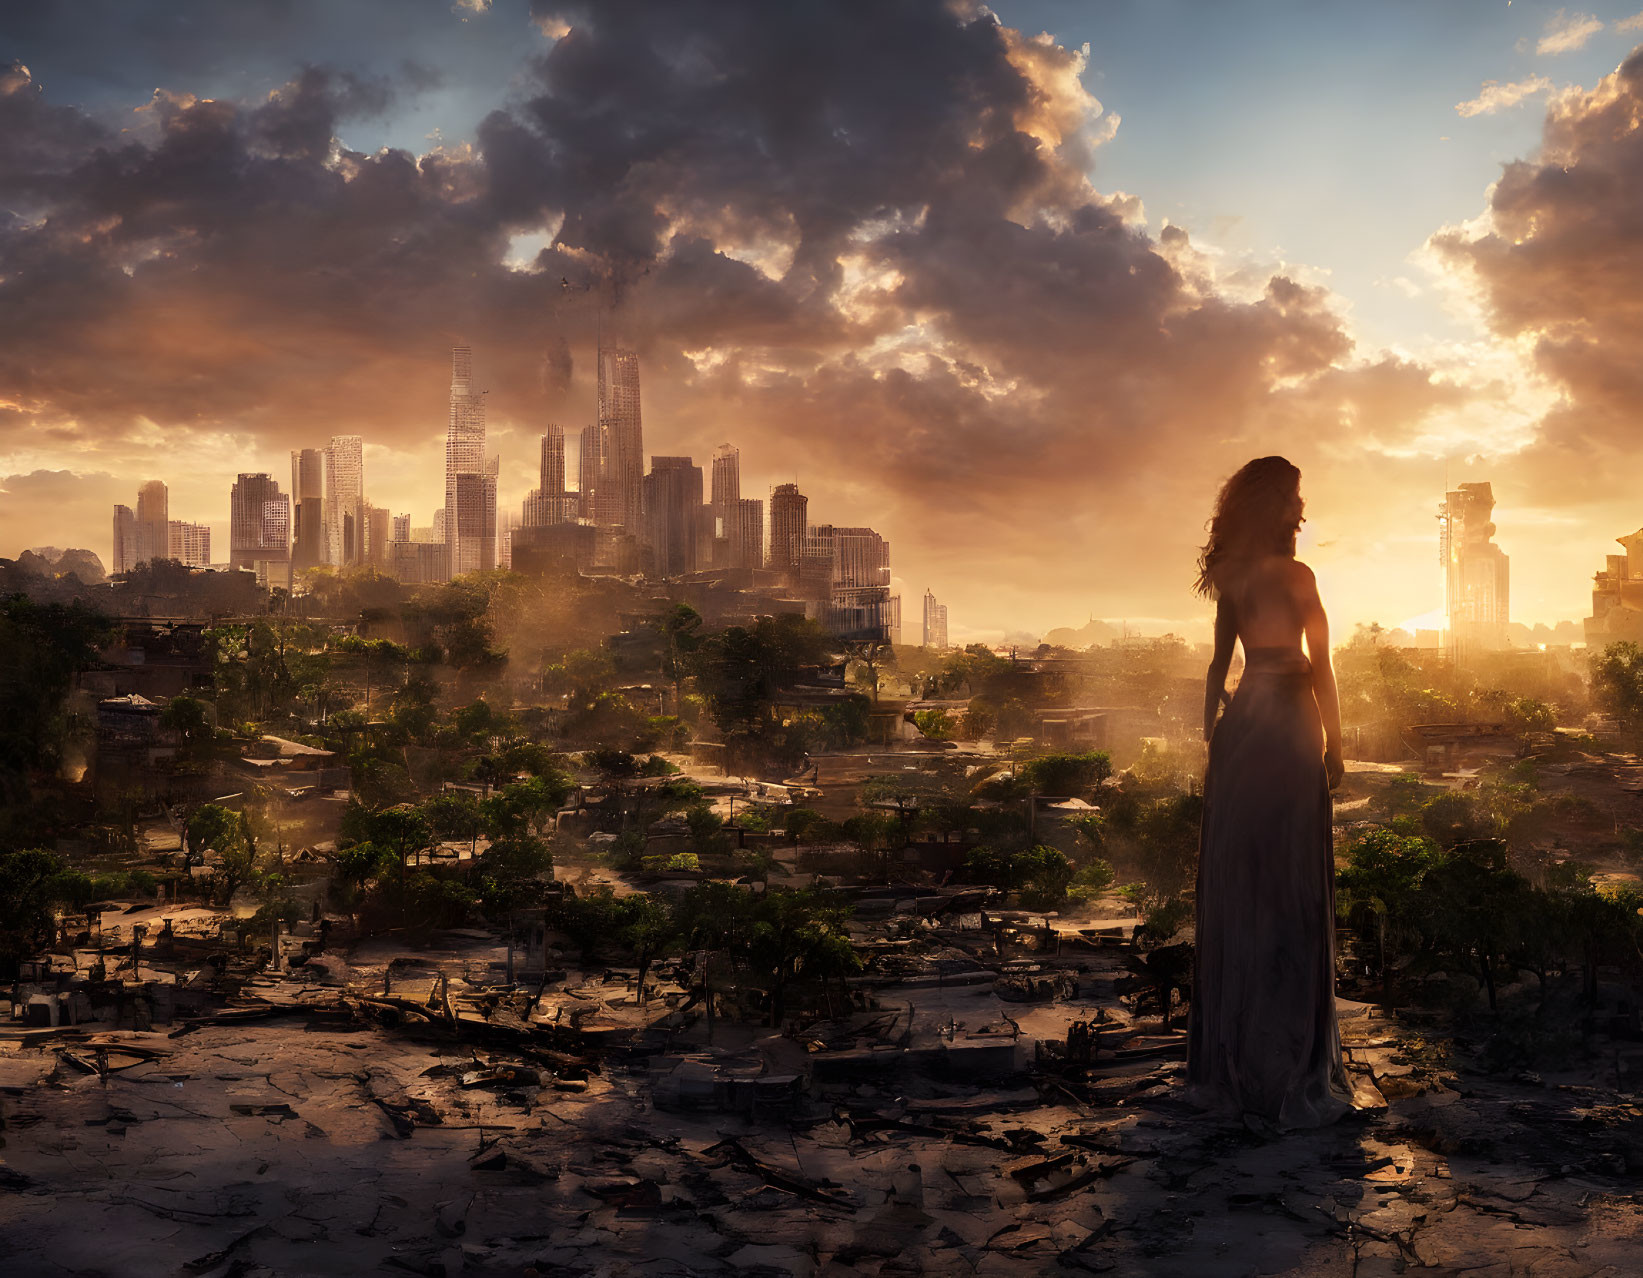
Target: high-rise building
(672,504)
(189,543)
(345,499)
(1477,592)
(745,533)
(259,528)
(847,571)
(727,477)
(506,524)
(550,490)
(309,532)
(935,622)
(375,526)
(465,518)
(402,528)
(126,556)
(619,489)
(153,520)
(471,534)
(789,516)
(587,473)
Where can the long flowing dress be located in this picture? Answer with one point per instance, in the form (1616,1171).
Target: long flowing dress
(1262,1036)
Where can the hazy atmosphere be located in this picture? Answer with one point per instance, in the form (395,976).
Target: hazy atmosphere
(1019,290)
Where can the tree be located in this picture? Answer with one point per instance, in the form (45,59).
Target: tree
(190,719)
(1064,774)
(229,835)
(42,646)
(1379,885)
(791,928)
(455,815)
(1617,681)
(31,882)
(647,927)
(1039,875)
(868,655)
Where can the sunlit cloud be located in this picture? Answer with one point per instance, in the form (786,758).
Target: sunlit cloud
(1495,96)
(1565,32)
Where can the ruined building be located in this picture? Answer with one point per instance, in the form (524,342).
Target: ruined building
(1617,596)
(1476,583)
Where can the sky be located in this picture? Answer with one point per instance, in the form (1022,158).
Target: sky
(1017,286)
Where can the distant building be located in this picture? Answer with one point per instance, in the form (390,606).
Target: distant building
(789,516)
(1476,583)
(402,528)
(551,506)
(145,533)
(587,473)
(847,572)
(345,499)
(1617,597)
(189,543)
(376,542)
(127,553)
(619,488)
(672,505)
(153,520)
(726,489)
(310,546)
(555,549)
(259,528)
(935,622)
(418,563)
(507,523)
(470,526)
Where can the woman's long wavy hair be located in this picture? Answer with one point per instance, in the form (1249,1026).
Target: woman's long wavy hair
(1257,513)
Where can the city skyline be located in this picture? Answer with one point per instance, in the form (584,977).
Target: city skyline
(1011,311)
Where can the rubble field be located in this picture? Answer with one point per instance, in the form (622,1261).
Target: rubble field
(938,1125)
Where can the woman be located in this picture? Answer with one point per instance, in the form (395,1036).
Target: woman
(1263,1039)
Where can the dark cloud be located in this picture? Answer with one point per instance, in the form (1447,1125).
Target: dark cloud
(859,239)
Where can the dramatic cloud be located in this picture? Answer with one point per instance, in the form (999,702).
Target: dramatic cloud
(861,241)
(1557,261)
(1566,32)
(1495,96)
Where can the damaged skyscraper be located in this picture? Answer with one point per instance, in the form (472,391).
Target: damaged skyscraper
(470,480)
(1477,597)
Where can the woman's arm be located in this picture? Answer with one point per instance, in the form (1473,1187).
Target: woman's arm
(1316,625)
(1215,683)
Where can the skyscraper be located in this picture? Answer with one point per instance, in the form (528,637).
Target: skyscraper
(1476,571)
(309,534)
(153,520)
(727,477)
(189,544)
(374,526)
(672,500)
(551,488)
(745,533)
(465,456)
(847,570)
(935,622)
(259,528)
(125,556)
(587,473)
(345,499)
(789,515)
(619,497)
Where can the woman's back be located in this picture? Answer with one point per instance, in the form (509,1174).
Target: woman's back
(1266,598)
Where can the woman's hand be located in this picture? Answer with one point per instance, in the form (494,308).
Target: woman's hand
(1334,768)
